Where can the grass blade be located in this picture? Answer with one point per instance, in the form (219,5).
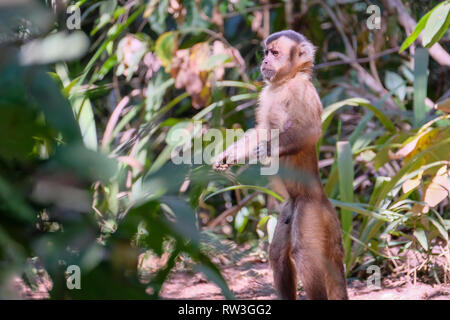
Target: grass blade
(346,174)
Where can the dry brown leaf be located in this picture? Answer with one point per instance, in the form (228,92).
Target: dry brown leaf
(188,69)
(420,143)
(152,63)
(438,189)
(129,53)
(237,61)
(407,149)
(187,74)
(411,184)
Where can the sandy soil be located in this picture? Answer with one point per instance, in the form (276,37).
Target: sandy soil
(253,280)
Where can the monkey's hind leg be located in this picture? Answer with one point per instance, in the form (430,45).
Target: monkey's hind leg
(317,250)
(335,280)
(309,247)
(284,273)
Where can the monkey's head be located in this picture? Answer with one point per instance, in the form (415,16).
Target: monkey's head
(285,54)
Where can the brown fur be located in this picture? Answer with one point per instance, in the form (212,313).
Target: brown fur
(307,240)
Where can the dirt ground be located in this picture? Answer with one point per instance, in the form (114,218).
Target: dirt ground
(252,279)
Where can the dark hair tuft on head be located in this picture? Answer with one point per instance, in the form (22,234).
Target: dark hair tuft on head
(295,36)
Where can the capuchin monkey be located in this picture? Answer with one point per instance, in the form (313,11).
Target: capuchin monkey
(307,239)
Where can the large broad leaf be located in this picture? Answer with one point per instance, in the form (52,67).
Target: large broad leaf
(420,26)
(396,83)
(437,24)
(416,32)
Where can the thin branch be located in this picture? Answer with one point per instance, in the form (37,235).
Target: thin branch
(359,60)
(214,223)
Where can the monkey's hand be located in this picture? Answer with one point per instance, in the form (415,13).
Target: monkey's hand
(220,163)
(220,166)
(262,150)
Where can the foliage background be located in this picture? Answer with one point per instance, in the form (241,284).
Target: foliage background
(88,117)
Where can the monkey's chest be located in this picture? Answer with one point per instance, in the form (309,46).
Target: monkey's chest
(278,116)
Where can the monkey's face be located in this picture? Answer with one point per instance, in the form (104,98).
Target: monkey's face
(284,57)
(276,58)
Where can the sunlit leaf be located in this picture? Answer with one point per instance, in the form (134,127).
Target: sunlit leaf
(438,19)
(438,189)
(165,48)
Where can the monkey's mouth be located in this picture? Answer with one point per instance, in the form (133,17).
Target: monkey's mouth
(268,74)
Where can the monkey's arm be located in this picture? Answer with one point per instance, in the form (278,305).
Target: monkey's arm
(239,151)
(293,139)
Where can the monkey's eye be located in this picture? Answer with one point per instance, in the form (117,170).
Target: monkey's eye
(275,53)
(266,52)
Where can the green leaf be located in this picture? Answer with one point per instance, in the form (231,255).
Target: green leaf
(331,109)
(107,8)
(440,227)
(420,85)
(346,174)
(420,235)
(416,32)
(437,20)
(421,25)
(241,219)
(82,109)
(396,83)
(165,48)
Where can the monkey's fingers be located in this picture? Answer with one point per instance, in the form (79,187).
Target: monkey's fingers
(220,166)
(261,150)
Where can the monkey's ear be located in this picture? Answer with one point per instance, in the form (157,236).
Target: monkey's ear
(307,49)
